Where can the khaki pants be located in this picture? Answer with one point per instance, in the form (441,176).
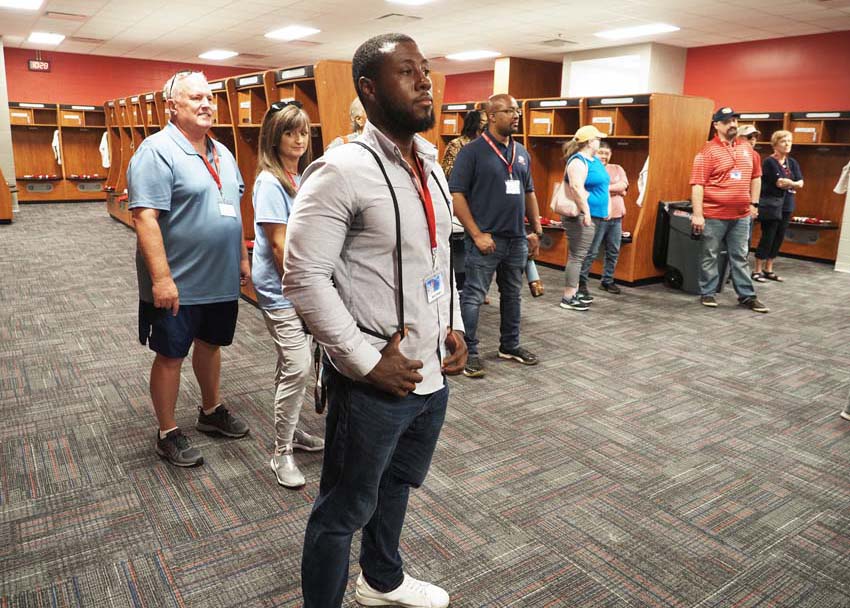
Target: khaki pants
(294,358)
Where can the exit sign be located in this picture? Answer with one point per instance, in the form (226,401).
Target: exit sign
(38,65)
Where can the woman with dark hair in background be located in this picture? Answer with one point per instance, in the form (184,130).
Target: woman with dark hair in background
(473,125)
(781,178)
(284,152)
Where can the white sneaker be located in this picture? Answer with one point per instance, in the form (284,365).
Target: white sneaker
(287,472)
(412,593)
(845,413)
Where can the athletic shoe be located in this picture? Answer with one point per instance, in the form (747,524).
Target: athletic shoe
(308,443)
(524,356)
(474,368)
(284,467)
(574,303)
(177,450)
(610,288)
(709,301)
(222,422)
(583,294)
(845,413)
(412,593)
(753,304)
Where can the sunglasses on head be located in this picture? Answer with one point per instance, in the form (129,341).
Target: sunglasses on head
(174,79)
(279,105)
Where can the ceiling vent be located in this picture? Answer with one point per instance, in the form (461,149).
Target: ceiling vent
(397,19)
(85,40)
(65,16)
(557,42)
(302,43)
(252,56)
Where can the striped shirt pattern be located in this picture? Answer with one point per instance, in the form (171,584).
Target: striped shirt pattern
(725,171)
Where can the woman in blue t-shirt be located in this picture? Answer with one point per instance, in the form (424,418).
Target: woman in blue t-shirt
(284,152)
(588,183)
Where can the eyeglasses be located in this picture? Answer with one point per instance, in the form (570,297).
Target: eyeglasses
(178,76)
(279,105)
(516,111)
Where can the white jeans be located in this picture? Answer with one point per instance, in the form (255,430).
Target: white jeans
(294,356)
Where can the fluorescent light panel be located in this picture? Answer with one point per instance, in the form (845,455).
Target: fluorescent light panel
(218,55)
(27,5)
(638,31)
(292,32)
(472,55)
(45,38)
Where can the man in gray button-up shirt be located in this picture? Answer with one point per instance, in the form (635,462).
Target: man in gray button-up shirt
(386,388)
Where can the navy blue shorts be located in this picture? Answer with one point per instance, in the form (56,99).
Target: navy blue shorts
(172,336)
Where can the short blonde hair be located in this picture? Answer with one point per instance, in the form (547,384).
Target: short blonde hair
(777,135)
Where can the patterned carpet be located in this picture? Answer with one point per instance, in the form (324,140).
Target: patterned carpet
(662,454)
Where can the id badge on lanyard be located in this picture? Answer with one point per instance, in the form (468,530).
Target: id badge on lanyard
(226,208)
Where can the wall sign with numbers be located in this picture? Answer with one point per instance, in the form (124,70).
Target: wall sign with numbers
(38,65)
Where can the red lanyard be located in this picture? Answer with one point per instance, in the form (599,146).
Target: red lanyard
(510,165)
(291,177)
(427,204)
(213,172)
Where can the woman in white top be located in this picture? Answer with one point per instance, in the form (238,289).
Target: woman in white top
(284,152)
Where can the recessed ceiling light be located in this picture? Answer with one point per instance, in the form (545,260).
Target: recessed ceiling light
(637,31)
(292,32)
(27,5)
(45,38)
(409,2)
(218,55)
(471,55)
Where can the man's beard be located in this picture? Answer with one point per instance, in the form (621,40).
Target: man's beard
(400,119)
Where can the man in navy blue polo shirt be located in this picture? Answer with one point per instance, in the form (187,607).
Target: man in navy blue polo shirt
(493,193)
(184,190)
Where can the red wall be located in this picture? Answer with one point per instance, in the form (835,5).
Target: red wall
(781,75)
(475,86)
(92,79)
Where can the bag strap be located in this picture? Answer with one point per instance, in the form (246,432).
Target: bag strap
(399,264)
(400,304)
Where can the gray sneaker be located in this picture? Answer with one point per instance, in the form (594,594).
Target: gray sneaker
(284,467)
(222,422)
(175,448)
(308,443)
(474,368)
(753,303)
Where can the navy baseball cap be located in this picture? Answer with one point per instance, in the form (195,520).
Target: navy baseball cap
(724,114)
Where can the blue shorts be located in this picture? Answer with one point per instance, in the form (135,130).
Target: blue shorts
(172,336)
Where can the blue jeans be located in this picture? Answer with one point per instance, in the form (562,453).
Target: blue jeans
(611,233)
(508,262)
(376,448)
(734,233)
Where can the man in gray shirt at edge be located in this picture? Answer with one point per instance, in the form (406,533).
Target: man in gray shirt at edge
(386,389)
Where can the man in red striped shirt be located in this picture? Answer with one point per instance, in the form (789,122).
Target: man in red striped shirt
(725,188)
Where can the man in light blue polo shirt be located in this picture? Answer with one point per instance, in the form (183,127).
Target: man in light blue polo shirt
(184,190)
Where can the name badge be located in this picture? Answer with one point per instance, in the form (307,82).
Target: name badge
(736,174)
(226,209)
(512,186)
(435,286)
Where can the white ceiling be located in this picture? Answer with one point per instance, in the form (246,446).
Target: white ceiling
(174,30)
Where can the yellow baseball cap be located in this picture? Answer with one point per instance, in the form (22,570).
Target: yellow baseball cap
(588,132)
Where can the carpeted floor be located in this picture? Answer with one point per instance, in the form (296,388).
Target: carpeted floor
(661,454)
